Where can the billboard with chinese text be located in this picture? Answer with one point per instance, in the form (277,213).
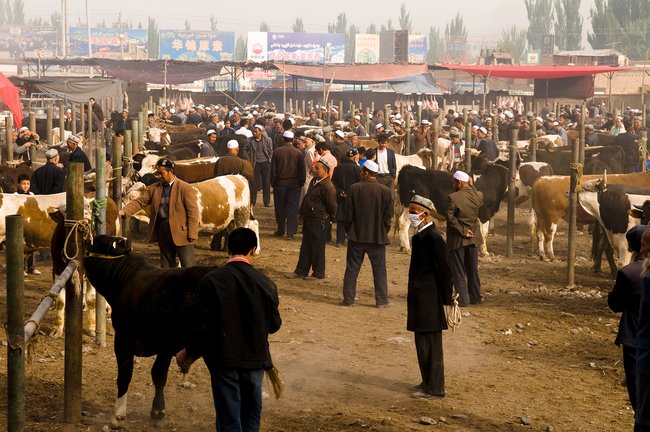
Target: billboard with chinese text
(296,47)
(108,42)
(366,48)
(418,47)
(197,45)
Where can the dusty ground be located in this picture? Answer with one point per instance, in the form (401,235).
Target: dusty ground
(533,350)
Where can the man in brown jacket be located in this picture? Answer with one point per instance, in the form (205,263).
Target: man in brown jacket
(318,210)
(173,216)
(462,231)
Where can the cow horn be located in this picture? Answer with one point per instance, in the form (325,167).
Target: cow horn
(605,178)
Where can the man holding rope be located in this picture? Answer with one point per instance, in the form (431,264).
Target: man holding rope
(429,288)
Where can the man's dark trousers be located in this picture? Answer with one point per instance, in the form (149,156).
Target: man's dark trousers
(464,271)
(354,259)
(285,200)
(262,176)
(312,248)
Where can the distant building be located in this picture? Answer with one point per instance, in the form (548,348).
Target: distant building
(602,57)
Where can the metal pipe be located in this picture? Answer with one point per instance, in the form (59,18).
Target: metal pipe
(73,303)
(15,328)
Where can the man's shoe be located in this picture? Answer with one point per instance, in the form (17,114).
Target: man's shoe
(425,395)
(34,272)
(293,275)
(418,387)
(291,237)
(278,234)
(385,305)
(479,301)
(344,303)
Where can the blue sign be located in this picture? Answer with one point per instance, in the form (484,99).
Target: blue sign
(306,47)
(197,45)
(106,40)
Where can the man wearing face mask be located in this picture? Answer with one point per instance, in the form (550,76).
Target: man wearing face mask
(429,288)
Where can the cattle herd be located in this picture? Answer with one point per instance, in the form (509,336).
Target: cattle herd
(609,200)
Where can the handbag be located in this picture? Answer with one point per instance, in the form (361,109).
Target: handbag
(452,312)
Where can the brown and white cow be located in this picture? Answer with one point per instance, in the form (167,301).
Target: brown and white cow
(191,171)
(224,203)
(550,203)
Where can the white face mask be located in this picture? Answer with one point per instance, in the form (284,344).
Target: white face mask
(415,219)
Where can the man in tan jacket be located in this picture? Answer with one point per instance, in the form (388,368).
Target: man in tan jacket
(173,216)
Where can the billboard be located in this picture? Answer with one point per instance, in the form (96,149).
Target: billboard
(256,47)
(306,47)
(197,45)
(418,47)
(108,42)
(18,42)
(366,48)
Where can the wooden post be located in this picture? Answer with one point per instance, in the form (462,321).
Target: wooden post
(73,302)
(91,135)
(15,327)
(304,112)
(573,207)
(150,103)
(532,147)
(100,187)
(141,122)
(128,141)
(135,127)
(468,144)
(372,107)
(495,129)
(49,126)
(419,113)
(117,173)
(82,117)
(9,137)
(512,172)
(367,122)
(407,143)
(32,127)
(581,149)
(644,150)
(62,121)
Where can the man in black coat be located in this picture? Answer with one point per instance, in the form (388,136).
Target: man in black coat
(76,153)
(386,162)
(462,236)
(625,297)
(486,146)
(237,309)
(50,178)
(346,174)
(287,178)
(429,288)
(367,225)
(642,414)
(627,141)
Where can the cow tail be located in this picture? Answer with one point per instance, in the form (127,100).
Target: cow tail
(273,375)
(398,208)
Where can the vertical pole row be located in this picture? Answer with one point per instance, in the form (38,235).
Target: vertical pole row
(100,183)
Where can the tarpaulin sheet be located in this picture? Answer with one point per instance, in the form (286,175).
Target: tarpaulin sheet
(11,98)
(531,72)
(566,88)
(354,74)
(154,71)
(417,84)
(78,90)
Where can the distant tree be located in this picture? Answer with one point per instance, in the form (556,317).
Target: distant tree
(188,25)
(8,11)
(18,12)
(372,29)
(436,50)
(240,49)
(350,39)
(102,24)
(140,25)
(622,25)
(387,26)
(298,26)
(456,38)
(265,27)
(38,22)
(568,24)
(405,19)
(513,41)
(540,19)
(153,39)
(213,23)
(339,26)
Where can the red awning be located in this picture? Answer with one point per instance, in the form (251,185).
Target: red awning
(354,74)
(11,98)
(531,72)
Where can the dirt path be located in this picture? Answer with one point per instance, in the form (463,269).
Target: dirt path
(534,352)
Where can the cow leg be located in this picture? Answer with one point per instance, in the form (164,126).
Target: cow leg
(403,224)
(159,376)
(91,303)
(619,243)
(254,225)
(548,243)
(124,359)
(60,313)
(532,228)
(485,228)
(597,246)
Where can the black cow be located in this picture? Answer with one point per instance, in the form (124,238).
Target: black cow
(641,212)
(437,185)
(597,160)
(152,311)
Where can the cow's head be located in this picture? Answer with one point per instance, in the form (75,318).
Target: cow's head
(641,212)
(104,246)
(597,185)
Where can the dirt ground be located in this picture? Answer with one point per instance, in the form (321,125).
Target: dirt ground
(533,353)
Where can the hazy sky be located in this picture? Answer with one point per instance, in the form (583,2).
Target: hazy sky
(484,20)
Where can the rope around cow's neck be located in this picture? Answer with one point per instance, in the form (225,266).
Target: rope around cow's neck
(75,226)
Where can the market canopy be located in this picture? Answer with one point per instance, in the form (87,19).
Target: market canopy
(354,74)
(75,89)
(10,96)
(419,84)
(530,72)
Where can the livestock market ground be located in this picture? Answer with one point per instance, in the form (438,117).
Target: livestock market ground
(535,356)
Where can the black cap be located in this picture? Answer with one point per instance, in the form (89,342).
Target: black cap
(165,163)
